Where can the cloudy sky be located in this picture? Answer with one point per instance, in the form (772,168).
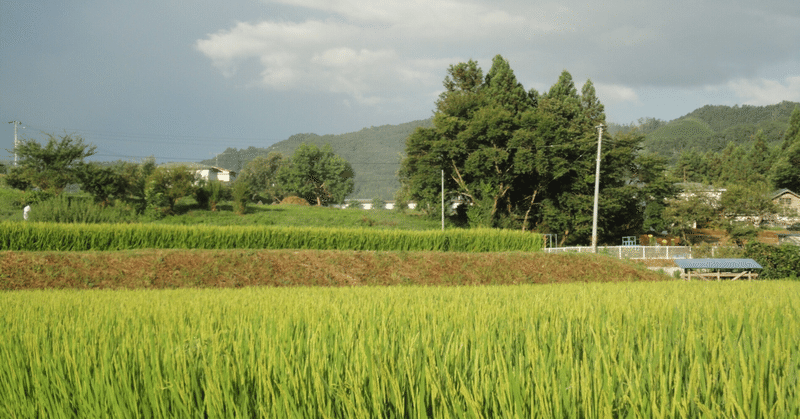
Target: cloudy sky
(183,80)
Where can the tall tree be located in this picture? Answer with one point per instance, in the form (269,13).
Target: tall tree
(50,167)
(317,175)
(786,171)
(519,158)
(261,176)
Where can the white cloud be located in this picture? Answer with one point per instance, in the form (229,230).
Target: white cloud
(613,94)
(766,92)
(372,51)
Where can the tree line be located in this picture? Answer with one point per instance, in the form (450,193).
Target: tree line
(44,171)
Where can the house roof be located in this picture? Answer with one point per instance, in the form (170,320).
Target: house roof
(782,192)
(718,264)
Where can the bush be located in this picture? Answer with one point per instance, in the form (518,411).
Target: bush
(778,261)
(241,194)
(294,200)
(79,209)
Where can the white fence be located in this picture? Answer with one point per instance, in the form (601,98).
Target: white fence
(631,252)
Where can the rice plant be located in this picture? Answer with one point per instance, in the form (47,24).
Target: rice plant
(78,237)
(671,349)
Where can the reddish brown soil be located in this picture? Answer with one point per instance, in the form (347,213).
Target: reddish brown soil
(240,268)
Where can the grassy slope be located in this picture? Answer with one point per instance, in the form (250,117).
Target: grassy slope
(153,269)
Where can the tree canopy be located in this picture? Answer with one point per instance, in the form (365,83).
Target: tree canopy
(50,167)
(518,158)
(317,175)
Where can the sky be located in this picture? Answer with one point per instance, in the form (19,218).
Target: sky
(184,80)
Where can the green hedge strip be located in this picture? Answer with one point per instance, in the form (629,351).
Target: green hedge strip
(101,237)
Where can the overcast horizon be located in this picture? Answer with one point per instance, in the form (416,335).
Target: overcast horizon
(185,80)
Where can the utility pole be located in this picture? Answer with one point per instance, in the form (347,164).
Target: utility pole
(442,200)
(15,139)
(596,189)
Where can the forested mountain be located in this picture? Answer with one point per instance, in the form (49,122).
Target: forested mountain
(374,153)
(714,128)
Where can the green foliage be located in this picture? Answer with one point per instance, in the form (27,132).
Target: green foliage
(80,237)
(520,159)
(786,171)
(712,128)
(51,167)
(378,204)
(317,175)
(695,209)
(165,186)
(748,200)
(260,174)
(241,196)
(209,194)
(778,261)
(67,208)
(374,153)
(104,183)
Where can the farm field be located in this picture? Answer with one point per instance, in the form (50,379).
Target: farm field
(588,350)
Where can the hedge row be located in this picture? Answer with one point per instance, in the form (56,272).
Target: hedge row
(82,237)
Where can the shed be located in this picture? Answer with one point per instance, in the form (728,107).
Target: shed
(718,268)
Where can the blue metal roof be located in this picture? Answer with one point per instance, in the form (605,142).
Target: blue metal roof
(718,264)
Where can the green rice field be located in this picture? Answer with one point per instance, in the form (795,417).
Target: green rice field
(101,237)
(630,350)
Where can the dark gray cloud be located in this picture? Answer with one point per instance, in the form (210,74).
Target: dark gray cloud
(176,79)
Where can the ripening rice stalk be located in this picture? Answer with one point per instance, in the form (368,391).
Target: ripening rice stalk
(81,237)
(585,350)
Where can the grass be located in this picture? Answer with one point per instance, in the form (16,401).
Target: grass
(153,269)
(669,349)
(187,213)
(306,216)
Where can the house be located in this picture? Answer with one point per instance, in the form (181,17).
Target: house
(787,200)
(788,204)
(690,189)
(216,173)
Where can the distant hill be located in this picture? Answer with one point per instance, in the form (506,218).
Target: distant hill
(375,154)
(712,128)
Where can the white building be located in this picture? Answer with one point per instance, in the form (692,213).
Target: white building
(216,173)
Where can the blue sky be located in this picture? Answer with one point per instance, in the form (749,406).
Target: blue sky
(184,80)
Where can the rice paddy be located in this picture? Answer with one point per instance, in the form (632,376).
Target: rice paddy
(102,237)
(649,350)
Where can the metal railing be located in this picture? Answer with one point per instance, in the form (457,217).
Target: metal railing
(631,252)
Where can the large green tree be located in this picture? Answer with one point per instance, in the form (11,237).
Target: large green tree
(105,183)
(317,175)
(50,167)
(261,177)
(786,171)
(517,158)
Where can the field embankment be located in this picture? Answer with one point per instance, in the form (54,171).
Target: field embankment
(154,269)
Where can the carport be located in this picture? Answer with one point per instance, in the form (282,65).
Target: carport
(718,269)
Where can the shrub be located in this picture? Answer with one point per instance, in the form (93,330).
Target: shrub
(294,200)
(241,194)
(778,261)
(67,208)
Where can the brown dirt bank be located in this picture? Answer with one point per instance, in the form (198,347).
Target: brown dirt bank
(240,268)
